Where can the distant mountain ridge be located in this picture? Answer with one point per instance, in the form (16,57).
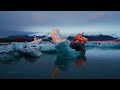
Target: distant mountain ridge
(96,37)
(28,38)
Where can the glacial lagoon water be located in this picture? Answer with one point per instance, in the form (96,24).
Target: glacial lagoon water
(98,63)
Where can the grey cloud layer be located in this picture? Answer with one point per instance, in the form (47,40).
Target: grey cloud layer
(16,20)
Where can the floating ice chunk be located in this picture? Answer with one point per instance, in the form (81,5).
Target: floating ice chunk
(6,49)
(18,47)
(109,45)
(64,49)
(48,47)
(26,49)
(103,44)
(90,44)
(35,46)
(43,47)
(36,40)
(30,50)
(55,36)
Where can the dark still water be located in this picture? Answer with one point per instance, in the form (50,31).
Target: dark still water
(97,64)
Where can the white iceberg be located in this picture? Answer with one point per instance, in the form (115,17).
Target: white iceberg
(16,49)
(28,49)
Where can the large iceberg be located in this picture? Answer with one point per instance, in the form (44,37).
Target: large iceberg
(18,49)
(25,49)
(62,45)
(43,47)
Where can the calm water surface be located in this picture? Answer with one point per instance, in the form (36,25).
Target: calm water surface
(96,64)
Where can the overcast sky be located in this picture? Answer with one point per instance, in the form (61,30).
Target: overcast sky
(22,22)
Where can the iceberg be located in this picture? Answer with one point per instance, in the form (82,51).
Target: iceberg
(18,49)
(103,44)
(48,47)
(6,49)
(110,45)
(65,49)
(90,44)
(26,49)
(62,45)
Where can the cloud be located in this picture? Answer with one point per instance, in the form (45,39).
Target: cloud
(91,18)
(18,20)
(100,14)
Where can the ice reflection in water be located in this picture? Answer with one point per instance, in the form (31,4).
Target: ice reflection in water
(62,64)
